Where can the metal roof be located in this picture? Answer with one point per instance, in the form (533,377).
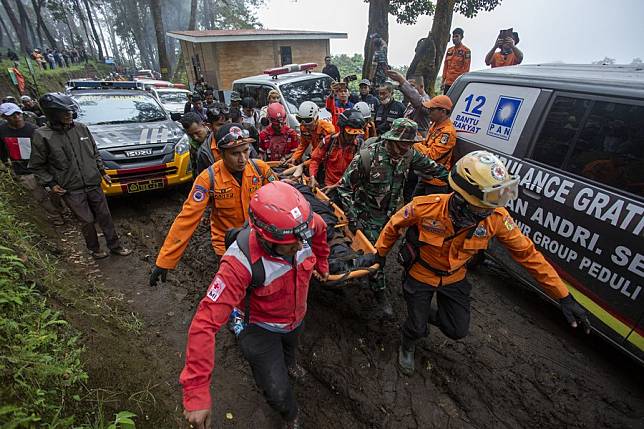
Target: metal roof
(621,75)
(251,35)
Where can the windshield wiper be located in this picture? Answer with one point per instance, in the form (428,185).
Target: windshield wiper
(112,122)
(160,118)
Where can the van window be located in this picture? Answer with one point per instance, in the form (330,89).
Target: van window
(258,92)
(493,115)
(559,130)
(600,140)
(609,147)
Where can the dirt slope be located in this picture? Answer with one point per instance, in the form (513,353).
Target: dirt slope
(520,366)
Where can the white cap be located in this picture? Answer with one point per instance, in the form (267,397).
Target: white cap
(8,109)
(25,98)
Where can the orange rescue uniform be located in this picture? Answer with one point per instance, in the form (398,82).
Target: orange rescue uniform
(229,208)
(439,146)
(501,60)
(370,130)
(313,138)
(457,62)
(430,214)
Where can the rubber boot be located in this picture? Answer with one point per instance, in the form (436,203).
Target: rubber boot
(384,304)
(406,357)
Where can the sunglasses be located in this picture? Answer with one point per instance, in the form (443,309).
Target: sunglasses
(305,120)
(234,134)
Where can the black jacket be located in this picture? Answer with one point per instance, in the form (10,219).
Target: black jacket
(387,114)
(68,158)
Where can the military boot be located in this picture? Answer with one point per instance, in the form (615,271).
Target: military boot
(406,357)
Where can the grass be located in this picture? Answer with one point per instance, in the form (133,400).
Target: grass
(42,377)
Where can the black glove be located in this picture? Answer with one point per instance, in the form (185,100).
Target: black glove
(355,225)
(574,313)
(371,258)
(156,273)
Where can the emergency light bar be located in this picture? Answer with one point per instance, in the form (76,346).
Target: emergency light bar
(104,84)
(290,68)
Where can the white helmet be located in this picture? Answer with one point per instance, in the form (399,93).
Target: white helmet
(364,109)
(308,110)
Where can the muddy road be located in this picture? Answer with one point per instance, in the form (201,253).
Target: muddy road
(520,366)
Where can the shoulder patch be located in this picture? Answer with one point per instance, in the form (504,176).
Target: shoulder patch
(445,138)
(199,193)
(216,288)
(509,223)
(468,54)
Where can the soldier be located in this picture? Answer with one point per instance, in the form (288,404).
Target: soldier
(371,189)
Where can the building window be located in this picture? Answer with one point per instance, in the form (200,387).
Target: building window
(285,55)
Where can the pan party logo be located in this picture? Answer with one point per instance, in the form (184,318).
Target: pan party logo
(506,111)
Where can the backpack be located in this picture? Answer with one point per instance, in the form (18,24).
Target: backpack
(211,178)
(241,236)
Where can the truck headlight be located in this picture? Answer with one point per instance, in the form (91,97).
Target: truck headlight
(182,146)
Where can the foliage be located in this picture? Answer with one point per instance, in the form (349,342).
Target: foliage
(41,372)
(605,61)
(636,61)
(408,11)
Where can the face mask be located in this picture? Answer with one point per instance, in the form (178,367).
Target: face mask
(462,214)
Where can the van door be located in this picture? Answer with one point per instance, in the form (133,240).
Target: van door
(257,91)
(582,204)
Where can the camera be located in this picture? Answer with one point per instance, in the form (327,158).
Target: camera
(350,78)
(503,34)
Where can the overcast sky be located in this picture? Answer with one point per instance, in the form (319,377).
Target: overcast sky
(573,31)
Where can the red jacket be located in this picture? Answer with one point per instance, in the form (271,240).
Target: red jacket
(274,147)
(281,301)
(337,161)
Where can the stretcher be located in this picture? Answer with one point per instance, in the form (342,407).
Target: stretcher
(359,242)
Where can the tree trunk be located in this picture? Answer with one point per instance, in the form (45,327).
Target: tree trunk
(192,24)
(157,16)
(430,51)
(26,22)
(19,29)
(37,5)
(100,29)
(101,57)
(378,24)
(81,17)
(7,32)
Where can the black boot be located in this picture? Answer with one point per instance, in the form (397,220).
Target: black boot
(406,357)
(384,305)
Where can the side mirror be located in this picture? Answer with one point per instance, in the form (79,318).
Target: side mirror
(175,116)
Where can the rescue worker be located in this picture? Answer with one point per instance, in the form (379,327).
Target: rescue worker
(439,145)
(332,157)
(370,126)
(414,92)
(30,105)
(446,231)
(371,189)
(389,109)
(508,55)
(312,129)
(227,187)
(253,133)
(278,140)
(338,101)
(457,60)
(365,95)
(289,239)
(64,158)
(197,133)
(15,146)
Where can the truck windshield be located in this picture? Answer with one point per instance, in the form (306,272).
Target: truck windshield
(315,90)
(101,109)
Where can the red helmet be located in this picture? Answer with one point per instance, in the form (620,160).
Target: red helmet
(276,113)
(279,213)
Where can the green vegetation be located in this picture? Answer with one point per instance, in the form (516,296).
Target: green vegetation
(42,378)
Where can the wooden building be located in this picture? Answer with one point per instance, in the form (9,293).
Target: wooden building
(221,56)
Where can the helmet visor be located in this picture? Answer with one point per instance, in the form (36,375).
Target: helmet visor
(354,131)
(499,196)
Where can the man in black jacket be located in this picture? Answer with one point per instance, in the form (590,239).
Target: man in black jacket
(64,158)
(330,69)
(389,109)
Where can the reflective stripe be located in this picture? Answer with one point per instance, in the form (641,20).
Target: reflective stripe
(235,252)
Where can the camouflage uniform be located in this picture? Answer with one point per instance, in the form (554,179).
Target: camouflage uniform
(371,197)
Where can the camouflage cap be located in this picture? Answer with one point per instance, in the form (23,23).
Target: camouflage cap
(234,96)
(403,129)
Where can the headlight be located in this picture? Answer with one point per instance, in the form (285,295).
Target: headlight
(182,146)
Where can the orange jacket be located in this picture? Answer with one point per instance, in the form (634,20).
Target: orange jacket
(457,62)
(439,146)
(370,130)
(313,138)
(500,60)
(229,208)
(336,161)
(430,215)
